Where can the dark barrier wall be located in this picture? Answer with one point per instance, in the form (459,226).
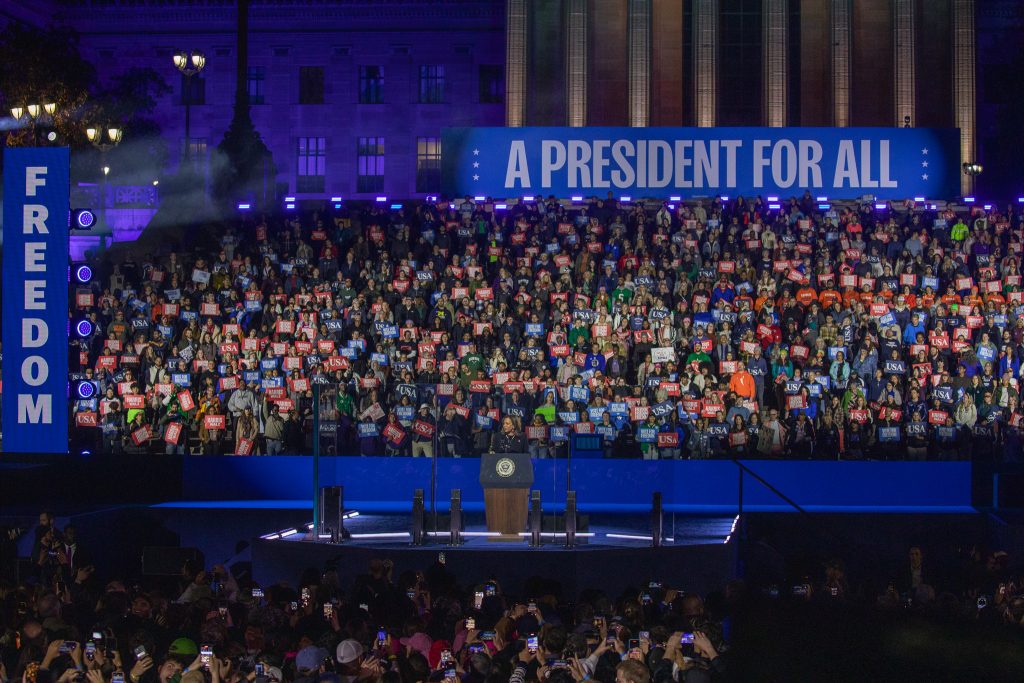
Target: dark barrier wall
(387,484)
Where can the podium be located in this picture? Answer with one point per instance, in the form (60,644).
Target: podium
(506,479)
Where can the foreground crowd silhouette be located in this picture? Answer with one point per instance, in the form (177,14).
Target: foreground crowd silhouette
(63,622)
(686,330)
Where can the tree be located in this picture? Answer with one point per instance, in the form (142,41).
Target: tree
(40,66)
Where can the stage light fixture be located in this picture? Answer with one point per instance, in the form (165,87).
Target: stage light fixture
(244,207)
(85,390)
(500,207)
(479,198)
(83,274)
(529,198)
(337,206)
(968,200)
(675,198)
(289,199)
(84,328)
(335,199)
(289,206)
(626,199)
(774,207)
(83,219)
(577,199)
(880,206)
(821,199)
(919,199)
(396,207)
(382,199)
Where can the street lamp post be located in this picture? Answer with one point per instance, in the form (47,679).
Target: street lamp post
(36,112)
(104,139)
(189,64)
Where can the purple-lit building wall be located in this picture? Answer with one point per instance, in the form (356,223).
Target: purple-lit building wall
(424,65)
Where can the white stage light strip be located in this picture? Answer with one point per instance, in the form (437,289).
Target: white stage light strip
(271,537)
(478,534)
(556,534)
(382,535)
(289,532)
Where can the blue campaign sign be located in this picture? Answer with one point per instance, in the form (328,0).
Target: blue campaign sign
(35,299)
(890,163)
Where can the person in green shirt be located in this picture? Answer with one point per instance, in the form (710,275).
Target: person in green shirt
(579,334)
(958,233)
(620,294)
(698,355)
(469,365)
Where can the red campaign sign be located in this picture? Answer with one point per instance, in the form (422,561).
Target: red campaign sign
(937,417)
(671,388)
(284,405)
(799,351)
(106,362)
(86,419)
(908,279)
(795,275)
(706,345)
(123,388)
(231,348)
(141,434)
(534,433)
(579,358)
(797,402)
(401,286)
(228,383)
(939,341)
(737,438)
(749,346)
(85,299)
(276,393)
(171,309)
(481,328)
(991,287)
(555,297)
(918,348)
(584,427)
(711,409)
(726,266)
(209,309)
(1015,297)
(134,401)
(878,310)
(803,248)
(562,351)
(285,326)
(595,247)
(325,346)
(230,329)
(494,251)
(847,280)
(637,413)
(301,384)
(668,439)
(291,363)
(393,433)
(164,388)
(185,400)
(780,266)
(480,386)
(303,347)
(868,282)
(512,387)
(460,292)
(173,433)
(445,389)
(424,429)
(369,382)
(318,235)
(973,322)
(858,415)
(727,367)
(129,359)
(964,283)
(279,348)
(214,422)
(245,447)
(518,238)
(484,294)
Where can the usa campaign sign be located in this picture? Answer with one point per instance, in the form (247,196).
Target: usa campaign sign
(35,299)
(890,163)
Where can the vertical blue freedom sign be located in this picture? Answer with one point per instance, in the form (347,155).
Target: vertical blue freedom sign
(35,299)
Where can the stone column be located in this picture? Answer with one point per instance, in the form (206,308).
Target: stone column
(639,63)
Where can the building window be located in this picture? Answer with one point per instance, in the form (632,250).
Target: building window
(428,164)
(370,165)
(254,84)
(371,84)
(492,86)
(193,90)
(196,154)
(312,165)
(311,85)
(432,84)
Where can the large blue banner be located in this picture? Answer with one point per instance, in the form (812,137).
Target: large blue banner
(840,163)
(35,299)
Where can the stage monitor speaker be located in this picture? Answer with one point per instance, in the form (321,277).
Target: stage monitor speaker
(570,519)
(332,513)
(455,523)
(418,515)
(536,519)
(656,520)
(168,561)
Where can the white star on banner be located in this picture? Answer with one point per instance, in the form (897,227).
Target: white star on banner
(924,176)
(925,151)
(476,177)
(476,164)
(476,152)
(924,164)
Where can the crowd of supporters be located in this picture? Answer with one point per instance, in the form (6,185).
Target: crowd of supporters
(724,328)
(63,623)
